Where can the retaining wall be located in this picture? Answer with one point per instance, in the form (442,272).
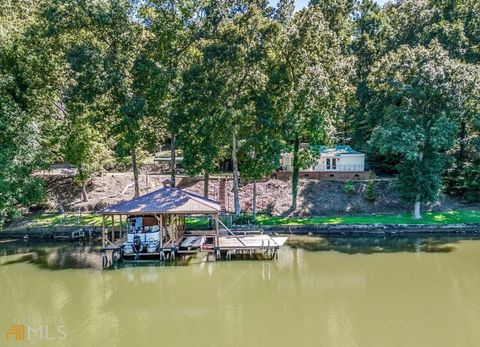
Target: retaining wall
(332,175)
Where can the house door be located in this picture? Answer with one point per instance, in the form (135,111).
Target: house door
(331,164)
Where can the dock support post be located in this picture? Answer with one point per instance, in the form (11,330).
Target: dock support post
(162,255)
(217,237)
(103,231)
(120,227)
(113,229)
(160,234)
(104,259)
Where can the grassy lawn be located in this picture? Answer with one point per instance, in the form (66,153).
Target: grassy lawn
(66,219)
(451,217)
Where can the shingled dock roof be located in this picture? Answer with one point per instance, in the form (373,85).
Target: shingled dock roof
(165,201)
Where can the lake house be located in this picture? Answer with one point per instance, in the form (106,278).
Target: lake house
(339,162)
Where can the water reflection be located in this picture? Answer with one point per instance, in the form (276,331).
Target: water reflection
(378,244)
(305,298)
(81,255)
(52,256)
(58,256)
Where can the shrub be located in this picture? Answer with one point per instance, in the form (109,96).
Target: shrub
(471,182)
(348,187)
(370,192)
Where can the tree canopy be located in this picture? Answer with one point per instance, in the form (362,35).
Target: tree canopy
(239,82)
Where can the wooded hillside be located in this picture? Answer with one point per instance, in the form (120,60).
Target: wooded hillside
(102,83)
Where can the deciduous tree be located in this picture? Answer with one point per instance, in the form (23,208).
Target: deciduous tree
(420,92)
(311,80)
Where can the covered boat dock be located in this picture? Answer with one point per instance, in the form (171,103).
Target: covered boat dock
(156,229)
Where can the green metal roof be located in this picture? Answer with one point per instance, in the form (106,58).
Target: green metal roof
(336,151)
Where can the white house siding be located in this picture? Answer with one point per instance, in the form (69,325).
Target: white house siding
(287,162)
(344,163)
(351,162)
(320,165)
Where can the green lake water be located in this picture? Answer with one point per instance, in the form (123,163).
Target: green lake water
(339,291)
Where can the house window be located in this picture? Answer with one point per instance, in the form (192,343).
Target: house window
(331,164)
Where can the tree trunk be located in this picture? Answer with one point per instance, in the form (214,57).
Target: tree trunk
(135,172)
(173,159)
(147,188)
(254,201)
(295,174)
(416,211)
(206,180)
(236,201)
(84,193)
(462,141)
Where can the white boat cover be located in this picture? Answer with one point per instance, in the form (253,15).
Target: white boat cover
(252,241)
(144,237)
(193,241)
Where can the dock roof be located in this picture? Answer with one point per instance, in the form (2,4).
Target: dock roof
(165,201)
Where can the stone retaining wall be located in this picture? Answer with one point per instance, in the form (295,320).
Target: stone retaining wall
(314,229)
(50,232)
(372,228)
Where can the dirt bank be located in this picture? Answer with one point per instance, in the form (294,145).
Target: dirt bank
(273,196)
(104,190)
(327,198)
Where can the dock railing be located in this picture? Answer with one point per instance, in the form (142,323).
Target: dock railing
(230,232)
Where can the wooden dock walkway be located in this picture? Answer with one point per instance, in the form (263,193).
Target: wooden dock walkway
(229,246)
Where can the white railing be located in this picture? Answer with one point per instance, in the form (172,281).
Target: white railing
(349,167)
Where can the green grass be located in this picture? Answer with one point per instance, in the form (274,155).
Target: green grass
(197,222)
(450,217)
(57,219)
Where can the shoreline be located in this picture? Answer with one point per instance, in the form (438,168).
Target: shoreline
(57,233)
(374,229)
